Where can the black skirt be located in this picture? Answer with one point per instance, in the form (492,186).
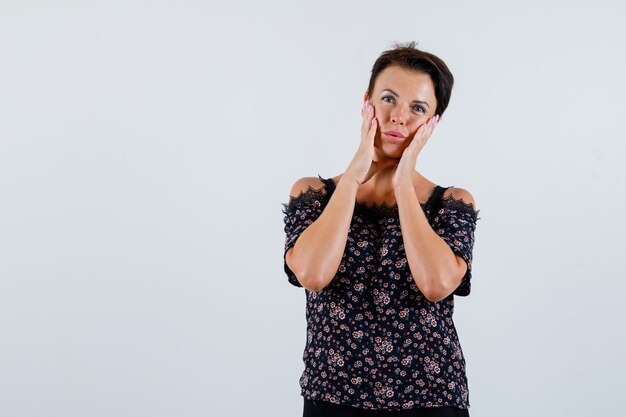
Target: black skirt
(315,408)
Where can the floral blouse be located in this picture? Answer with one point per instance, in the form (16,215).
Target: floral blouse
(373,340)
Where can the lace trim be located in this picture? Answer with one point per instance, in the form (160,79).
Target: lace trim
(310,194)
(459,203)
(381,210)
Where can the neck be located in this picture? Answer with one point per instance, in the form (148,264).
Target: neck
(382,179)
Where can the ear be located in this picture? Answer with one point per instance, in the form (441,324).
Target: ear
(365,97)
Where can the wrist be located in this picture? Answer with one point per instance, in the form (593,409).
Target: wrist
(403,187)
(349,181)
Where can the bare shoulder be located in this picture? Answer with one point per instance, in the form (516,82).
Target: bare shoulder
(304,184)
(458,193)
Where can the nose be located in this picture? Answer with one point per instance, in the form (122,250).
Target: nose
(398,116)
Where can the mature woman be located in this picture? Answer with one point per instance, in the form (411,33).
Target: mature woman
(381,252)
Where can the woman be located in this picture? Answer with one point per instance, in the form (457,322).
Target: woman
(381,251)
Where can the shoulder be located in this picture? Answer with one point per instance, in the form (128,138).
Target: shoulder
(304,184)
(458,193)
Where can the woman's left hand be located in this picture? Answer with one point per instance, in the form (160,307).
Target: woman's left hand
(403,175)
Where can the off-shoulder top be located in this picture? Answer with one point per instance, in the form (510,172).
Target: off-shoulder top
(373,340)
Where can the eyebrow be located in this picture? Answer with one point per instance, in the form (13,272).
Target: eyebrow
(414,101)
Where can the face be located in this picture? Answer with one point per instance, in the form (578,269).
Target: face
(403,100)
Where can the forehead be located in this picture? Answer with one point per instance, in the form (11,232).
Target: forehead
(415,85)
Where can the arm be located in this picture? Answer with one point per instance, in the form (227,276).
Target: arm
(436,269)
(317,254)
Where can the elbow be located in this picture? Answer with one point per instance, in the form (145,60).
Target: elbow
(311,282)
(436,293)
(441,288)
(434,296)
(313,288)
(308,277)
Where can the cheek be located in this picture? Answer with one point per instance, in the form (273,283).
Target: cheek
(415,127)
(418,123)
(380,112)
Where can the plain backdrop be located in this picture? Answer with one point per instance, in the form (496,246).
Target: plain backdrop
(146,148)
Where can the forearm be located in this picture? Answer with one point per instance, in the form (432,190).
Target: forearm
(431,261)
(318,251)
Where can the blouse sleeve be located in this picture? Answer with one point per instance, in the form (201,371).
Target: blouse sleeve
(299,213)
(455,223)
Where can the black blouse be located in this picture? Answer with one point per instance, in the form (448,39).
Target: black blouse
(373,340)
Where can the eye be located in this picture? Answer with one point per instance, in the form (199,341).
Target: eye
(417,108)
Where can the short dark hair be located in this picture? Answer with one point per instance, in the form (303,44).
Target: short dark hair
(407,56)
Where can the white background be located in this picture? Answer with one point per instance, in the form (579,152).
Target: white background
(146,146)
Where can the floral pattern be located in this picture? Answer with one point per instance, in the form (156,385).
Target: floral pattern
(373,340)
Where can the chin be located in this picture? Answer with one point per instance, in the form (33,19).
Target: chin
(391,151)
(388,150)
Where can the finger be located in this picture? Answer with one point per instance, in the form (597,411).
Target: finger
(367,113)
(421,135)
(433,124)
(373,122)
(372,132)
(420,131)
(428,131)
(365,122)
(428,128)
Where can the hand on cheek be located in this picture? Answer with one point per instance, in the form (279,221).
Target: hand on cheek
(430,120)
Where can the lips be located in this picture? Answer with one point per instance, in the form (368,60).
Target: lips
(394,134)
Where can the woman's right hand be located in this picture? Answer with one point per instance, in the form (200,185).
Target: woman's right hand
(363,165)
